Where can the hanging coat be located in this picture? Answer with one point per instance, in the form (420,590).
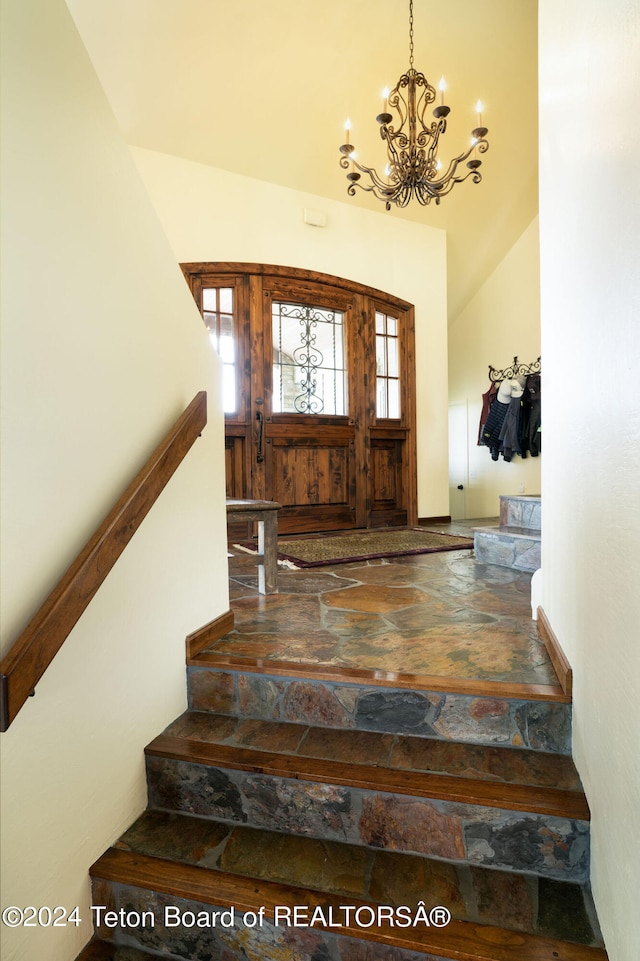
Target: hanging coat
(487,401)
(510,432)
(530,425)
(491,432)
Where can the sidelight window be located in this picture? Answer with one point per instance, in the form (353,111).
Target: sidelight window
(219,310)
(309,375)
(387,367)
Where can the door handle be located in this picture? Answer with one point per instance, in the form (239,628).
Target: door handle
(259,451)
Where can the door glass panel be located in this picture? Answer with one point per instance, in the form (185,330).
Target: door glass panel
(393,391)
(381,398)
(392,356)
(309,375)
(218,313)
(381,356)
(226,299)
(387,367)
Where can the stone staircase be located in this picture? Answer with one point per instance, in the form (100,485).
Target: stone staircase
(314,814)
(515,542)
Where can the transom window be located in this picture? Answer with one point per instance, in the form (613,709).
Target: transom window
(309,375)
(219,311)
(387,367)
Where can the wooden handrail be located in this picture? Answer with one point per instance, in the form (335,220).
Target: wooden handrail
(29,657)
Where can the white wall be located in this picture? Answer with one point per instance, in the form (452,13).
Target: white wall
(102,349)
(590,296)
(210,214)
(501,322)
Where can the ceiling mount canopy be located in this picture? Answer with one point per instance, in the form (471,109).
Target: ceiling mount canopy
(413,168)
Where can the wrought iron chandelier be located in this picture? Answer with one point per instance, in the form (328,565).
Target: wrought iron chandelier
(413,168)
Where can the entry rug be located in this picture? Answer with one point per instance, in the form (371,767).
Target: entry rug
(326,549)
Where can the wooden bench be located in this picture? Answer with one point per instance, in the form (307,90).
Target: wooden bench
(265,513)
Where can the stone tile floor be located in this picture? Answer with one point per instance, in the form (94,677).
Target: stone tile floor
(431,614)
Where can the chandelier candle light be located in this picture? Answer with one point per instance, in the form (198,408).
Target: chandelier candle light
(413,168)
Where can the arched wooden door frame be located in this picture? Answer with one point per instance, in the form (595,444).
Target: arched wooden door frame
(353,469)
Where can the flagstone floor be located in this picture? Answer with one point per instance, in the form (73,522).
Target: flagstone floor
(432,614)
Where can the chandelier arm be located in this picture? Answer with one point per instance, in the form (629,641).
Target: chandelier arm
(376,179)
(475,175)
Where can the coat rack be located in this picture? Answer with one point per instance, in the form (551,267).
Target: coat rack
(516,370)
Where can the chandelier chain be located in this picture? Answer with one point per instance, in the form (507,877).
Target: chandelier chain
(411,34)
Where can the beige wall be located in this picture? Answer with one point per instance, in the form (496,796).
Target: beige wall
(501,322)
(590,295)
(211,214)
(102,348)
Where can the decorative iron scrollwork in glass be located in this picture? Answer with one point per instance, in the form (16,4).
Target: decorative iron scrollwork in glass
(308,362)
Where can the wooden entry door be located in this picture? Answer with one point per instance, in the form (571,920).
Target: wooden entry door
(318,380)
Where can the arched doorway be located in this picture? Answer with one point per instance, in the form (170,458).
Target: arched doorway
(319,376)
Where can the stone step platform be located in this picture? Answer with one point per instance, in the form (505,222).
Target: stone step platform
(533,716)
(515,543)
(515,547)
(500,813)
(230,917)
(522,511)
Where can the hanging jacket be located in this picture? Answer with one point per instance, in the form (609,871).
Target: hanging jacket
(487,401)
(510,431)
(530,422)
(491,432)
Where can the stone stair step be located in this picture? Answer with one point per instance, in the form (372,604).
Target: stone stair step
(377,751)
(134,882)
(517,901)
(515,542)
(533,716)
(468,819)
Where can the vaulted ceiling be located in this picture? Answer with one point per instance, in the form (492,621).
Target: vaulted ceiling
(262,88)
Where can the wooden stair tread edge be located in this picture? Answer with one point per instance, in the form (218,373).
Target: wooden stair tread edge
(459,940)
(550,801)
(379,678)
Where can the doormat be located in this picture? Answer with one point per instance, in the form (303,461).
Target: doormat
(325,549)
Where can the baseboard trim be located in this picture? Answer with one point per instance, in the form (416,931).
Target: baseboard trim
(208,634)
(445,519)
(554,650)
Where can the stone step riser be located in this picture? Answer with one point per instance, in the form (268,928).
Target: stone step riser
(229,934)
(492,721)
(521,511)
(505,550)
(465,833)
